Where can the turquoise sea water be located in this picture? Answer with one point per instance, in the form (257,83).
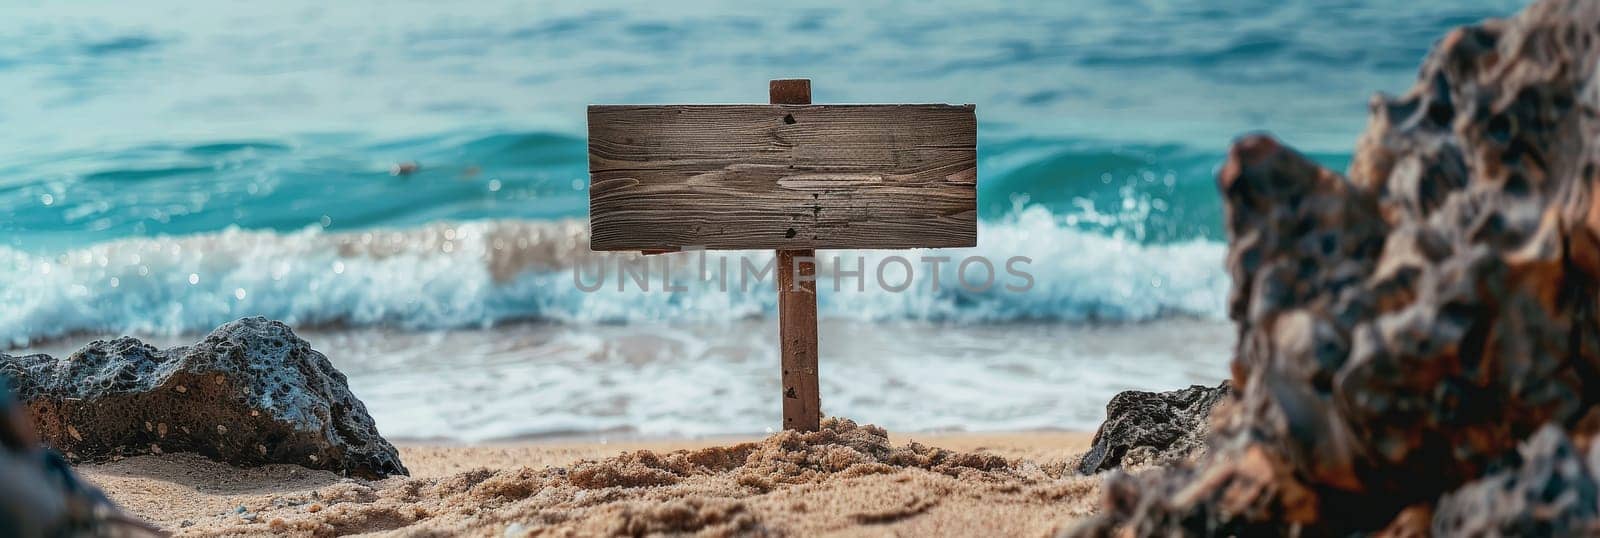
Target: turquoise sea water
(167,166)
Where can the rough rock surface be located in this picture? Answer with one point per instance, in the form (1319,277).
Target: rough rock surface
(250,393)
(40,496)
(1551,491)
(1152,428)
(1403,330)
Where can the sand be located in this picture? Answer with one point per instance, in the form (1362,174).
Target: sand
(846,480)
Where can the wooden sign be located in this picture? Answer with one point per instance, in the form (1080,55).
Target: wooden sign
(782,176)
(789,176)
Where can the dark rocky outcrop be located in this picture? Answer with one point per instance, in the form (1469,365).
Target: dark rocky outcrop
(1403,330)
(1550,489)
(1152,428)
(250,393)
(40,496)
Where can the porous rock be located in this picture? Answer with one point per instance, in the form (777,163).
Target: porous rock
(40,496)
(1548,489)
(1401,330)
(250,393)
(1152,428)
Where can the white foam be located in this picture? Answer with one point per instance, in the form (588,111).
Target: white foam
(481,273)
(676,379)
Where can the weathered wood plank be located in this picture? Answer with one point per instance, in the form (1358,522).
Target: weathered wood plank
(782,176)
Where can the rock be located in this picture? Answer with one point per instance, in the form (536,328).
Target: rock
(1402,330)
(1152,427)
(1550,491)
(250,393)
(41,496)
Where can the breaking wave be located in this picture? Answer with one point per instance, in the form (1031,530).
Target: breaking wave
(488,272)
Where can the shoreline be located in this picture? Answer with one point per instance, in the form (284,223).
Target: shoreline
(529,382)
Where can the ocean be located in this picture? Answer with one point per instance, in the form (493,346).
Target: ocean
(168,166)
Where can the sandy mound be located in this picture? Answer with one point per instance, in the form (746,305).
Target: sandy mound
(845,479)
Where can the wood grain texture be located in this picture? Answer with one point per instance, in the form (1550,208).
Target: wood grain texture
(797,306)
(797,334)
(782,176)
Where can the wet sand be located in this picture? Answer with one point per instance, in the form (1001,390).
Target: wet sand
(845,480)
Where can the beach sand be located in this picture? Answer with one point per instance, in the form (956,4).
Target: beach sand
(846,480)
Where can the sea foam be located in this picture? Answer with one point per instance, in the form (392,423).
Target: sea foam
(488,272)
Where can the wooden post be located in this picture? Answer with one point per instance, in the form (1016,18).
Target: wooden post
(797,307)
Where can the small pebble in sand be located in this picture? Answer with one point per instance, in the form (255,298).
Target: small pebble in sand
(314,508)
(186,524)
(240,509)
(182,388)
(277,524)
(222,430)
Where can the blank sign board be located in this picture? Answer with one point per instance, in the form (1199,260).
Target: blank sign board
(782,176)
